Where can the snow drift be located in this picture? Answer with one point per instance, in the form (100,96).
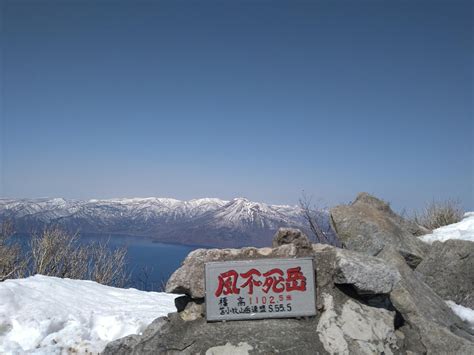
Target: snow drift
(462,230)
(465,313)
(44,315)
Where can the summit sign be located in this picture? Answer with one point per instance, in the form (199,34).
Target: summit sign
(263,288)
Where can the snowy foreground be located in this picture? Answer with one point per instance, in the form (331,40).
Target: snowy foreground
(461,230)
(48,315)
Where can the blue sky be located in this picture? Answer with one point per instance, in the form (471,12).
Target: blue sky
(262,99)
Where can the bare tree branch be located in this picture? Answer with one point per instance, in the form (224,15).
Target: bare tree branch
(310,214)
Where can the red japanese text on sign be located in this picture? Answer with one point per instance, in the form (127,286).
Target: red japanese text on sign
(275,280)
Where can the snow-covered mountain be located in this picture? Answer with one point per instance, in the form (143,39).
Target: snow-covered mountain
(206,221)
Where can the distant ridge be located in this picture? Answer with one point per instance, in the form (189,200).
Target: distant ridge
(205,221)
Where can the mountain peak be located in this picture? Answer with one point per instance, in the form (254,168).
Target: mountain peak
(243,199)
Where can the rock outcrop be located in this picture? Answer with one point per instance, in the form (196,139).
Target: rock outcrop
(449,270)
(368,225)
(427,320)
(344,325)
(365,305)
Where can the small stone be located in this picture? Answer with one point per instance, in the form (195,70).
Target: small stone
(192,311)
(291,236)
(399,334)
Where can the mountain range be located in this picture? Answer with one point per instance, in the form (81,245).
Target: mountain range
(206,221)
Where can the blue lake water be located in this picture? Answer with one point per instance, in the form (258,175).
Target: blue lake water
(150,263)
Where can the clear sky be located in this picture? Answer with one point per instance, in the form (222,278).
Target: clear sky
(261,99)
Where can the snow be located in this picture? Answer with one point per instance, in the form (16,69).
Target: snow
(465,313)
(46,315)
(462,230)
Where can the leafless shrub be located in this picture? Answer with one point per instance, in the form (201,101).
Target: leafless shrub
(55,252)
(438,214)
(109,266)
(144,281)
(313,217)
(11,262)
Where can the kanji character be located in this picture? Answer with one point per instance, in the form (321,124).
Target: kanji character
(250,280)
(227,283)
(276,283)
(295,279)
(223,301)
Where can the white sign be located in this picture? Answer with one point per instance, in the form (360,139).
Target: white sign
(262,288)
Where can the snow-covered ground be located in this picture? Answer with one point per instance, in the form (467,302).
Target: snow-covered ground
(461,230)
(465,313)
(49,315)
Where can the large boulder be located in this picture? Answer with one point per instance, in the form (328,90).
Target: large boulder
(356,313)
(368,224)
(268,336)
(356,328)
(427,321)
(131,343)
(368,275)
(449,271)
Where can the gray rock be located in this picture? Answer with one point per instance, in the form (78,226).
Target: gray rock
(368,224)
(368,274)
(126,345)
(426,315)
(449,271)
(347,328)
(291,236)
(193,311)
(355,328)
(259,336)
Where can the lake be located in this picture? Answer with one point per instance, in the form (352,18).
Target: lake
(150,263)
